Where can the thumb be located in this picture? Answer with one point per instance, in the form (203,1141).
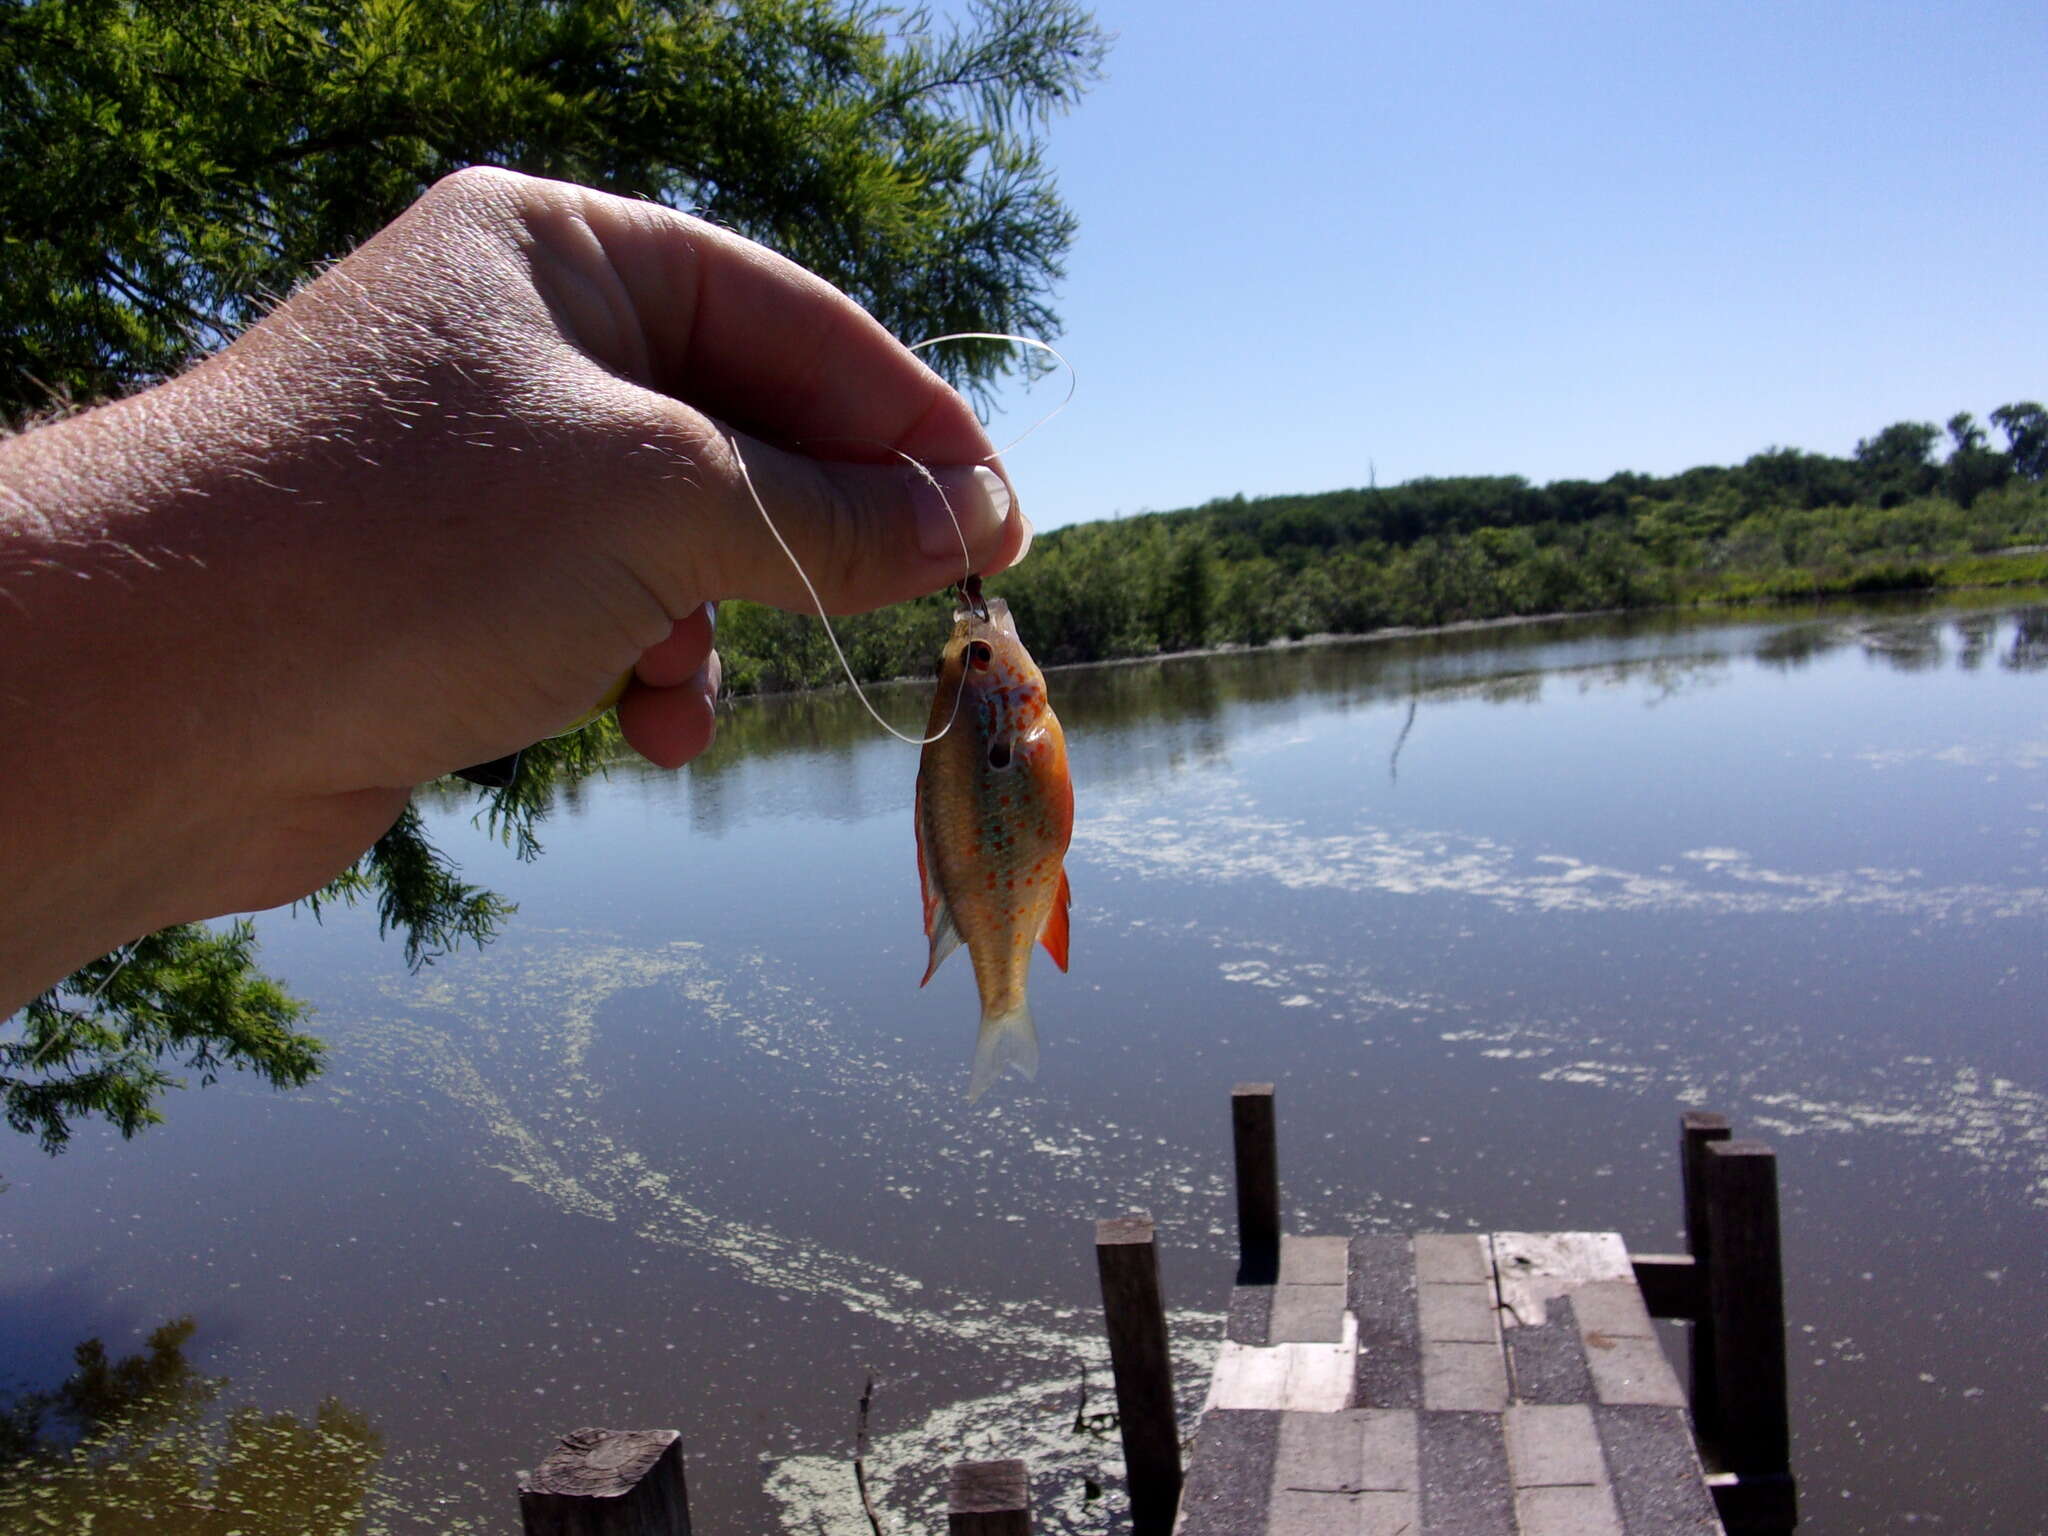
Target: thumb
(866,535)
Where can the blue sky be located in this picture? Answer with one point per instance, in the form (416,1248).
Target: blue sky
(1549,240)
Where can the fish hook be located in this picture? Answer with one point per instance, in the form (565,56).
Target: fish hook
(970,594)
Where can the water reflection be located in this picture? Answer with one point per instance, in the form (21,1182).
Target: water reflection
(2029,651)
(1499,664)
(1184,708)
(137,1444)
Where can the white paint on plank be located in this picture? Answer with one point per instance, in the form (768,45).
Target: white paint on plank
(1301,1378)
(1533,1267)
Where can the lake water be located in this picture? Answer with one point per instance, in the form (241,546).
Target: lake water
(686,1147)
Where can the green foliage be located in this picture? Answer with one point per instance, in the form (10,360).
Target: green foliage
(106,1041)
(2025,426)
(1240,571)
(133,1444)
(174,165)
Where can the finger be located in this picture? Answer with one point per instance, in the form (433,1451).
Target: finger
(677,659)
(670,726)
(752,338)
(864,535)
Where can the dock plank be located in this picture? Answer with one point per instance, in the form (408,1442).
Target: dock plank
(1510,1384)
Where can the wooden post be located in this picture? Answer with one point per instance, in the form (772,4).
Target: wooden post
(1258,1184)
(1746,1300)
(988,1498)
(1135,1313)
(608,1482)
(1698,1130)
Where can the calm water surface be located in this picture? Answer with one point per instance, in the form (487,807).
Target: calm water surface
(686,1146)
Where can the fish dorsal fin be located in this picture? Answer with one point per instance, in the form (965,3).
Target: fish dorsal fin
(1054,935)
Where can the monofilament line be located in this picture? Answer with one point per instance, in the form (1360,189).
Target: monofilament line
(804,576)
(966,556)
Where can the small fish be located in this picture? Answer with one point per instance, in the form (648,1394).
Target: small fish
(995,809)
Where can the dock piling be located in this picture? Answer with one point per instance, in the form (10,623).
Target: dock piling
(1258,1183)
(988,1498)
(1698,1130)
(1746,1311)
(1134,1312)
(608,1482)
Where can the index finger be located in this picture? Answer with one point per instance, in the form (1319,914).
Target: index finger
(752,338)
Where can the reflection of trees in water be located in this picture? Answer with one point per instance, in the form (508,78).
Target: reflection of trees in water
(132,1446)
(1191,695)
(1975,635)
(1797,645)
(2029,651)
(1911,645)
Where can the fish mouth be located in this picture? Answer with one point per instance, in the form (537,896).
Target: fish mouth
(997,623)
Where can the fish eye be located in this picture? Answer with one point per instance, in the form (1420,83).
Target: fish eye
(999,754)
(979,655)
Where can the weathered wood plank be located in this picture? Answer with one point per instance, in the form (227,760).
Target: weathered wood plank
(1464,1465)
(1382,1294)
(988,1498)
(1655,1471)
(1533,1267)
(1452,1258)
(1134,1312)
(1230,1474)
(1305,1378)
(1250,1320)
(1255,1148)
(1314,1260)
(608,1482)
(1320,1453)
(1547,1365)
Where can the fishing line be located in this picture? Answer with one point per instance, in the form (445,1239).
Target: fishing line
(966,557)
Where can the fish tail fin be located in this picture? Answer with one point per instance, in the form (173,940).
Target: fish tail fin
(1007,1040)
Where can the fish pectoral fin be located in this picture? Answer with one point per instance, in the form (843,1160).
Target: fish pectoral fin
(1006,1040)
(945,938)
(1054,934)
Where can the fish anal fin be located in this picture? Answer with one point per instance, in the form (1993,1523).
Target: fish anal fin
(1054,934)
(945,939)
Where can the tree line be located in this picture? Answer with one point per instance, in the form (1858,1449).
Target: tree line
(1898,513)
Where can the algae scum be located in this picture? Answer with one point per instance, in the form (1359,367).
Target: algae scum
(687,1147)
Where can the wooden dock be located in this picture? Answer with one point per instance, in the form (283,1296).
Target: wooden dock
(1502,1385)
(1439,1384)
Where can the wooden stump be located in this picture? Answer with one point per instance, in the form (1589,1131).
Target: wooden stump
(988,1498)
(609,1482)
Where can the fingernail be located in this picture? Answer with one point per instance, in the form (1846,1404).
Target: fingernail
(712,610)
(1024,548)
(978,500)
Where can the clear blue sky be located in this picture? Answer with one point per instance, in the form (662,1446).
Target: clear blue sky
(1539,239)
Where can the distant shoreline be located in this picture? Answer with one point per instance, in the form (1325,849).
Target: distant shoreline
(1703,608)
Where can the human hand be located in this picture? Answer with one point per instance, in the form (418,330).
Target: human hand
(431,508)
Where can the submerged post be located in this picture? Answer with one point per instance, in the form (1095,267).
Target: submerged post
(608,1482)
(1127,1257)
(1697,1130)
(1258,1183)
(1746,1302)
(988,1498)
